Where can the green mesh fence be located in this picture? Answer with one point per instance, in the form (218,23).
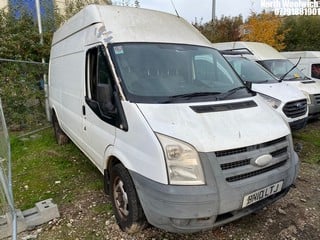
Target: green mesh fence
(22,94)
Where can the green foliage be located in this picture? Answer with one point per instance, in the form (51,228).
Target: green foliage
(19,40)
(223,30)
(309,139)
(302,33)
(264,27)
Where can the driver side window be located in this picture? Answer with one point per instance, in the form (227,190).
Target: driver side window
(99,88)
(98,72)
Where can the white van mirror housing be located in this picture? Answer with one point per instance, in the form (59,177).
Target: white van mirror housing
(183,162)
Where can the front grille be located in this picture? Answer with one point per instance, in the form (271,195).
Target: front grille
(249,148)
(255,173)
(238,164)
(295,109)
(317,98)
(235,164)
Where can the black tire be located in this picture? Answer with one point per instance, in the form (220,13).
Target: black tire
(60,136)
(126,205)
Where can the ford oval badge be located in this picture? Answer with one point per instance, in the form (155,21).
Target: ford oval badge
(263,160)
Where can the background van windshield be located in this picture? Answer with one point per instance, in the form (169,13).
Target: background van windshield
(251,71)
(153,72)
(280,67)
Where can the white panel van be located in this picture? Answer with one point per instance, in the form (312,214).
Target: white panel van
(281,67)
(182,143)
(309,62)
(285,99)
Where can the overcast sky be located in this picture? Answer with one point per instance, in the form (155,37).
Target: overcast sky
(202,9)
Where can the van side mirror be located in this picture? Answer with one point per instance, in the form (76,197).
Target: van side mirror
(248,84)
(105,98)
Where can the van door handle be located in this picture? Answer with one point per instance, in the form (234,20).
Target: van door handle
(83,110)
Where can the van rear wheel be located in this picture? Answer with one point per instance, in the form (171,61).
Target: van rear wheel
(60,136)
(126,205)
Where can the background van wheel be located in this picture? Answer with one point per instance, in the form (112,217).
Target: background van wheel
(125,201)
(60,136)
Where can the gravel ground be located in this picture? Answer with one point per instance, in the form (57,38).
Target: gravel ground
(296,216)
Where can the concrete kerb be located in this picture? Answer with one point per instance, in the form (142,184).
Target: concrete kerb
(44,211)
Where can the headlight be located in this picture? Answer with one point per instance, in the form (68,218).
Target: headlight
(307,96)
(273,102)
(183,162)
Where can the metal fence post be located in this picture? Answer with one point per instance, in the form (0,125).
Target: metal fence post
(5,173)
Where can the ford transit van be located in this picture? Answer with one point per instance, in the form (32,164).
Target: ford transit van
(285,99)
(182,143)
(281,67)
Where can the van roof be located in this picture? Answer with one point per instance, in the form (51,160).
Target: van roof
(128,24)
(302,54)
(261,51)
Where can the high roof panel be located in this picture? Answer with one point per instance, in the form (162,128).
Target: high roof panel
(128,24)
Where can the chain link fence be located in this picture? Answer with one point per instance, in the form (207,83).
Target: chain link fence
(22,93)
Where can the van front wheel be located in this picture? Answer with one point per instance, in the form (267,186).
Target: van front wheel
(125,201)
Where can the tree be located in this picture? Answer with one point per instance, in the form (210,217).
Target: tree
(223,30)
(302,33)
(264,27)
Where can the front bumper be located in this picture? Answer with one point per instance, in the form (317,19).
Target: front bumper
(187,209)
(298,124)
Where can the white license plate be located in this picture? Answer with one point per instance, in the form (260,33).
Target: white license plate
(261,194)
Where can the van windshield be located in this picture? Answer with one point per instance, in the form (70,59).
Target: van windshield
(251,71)
(164,73)
(279,67)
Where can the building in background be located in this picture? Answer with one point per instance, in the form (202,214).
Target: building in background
(3,4)
(47,6)
(28,6)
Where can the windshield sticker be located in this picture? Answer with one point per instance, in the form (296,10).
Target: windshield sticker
(118,50)
(296,75)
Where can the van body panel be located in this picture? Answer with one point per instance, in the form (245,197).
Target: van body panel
(306,86)
(139,147)
(260,51)
(282,91)
(65,90)
(88,16)
(211,131)
(137,28)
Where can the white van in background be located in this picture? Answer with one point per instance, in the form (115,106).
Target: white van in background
(309,62)
(281,67)
(181,141)
(285,99)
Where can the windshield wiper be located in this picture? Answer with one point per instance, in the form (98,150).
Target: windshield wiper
(293,67)
(230,92)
